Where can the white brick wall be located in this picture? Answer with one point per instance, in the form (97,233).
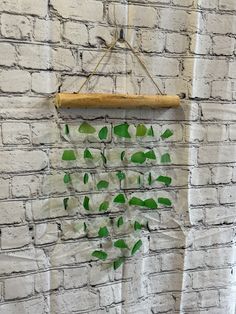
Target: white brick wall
(47,30)
(14,237)
(8,53)
(187,260)
(16,81)
(75,33)
(26,7)
(19,287)
(16,26)
(135,16)
(79,10)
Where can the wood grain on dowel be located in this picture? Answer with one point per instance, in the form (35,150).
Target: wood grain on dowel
(66,100)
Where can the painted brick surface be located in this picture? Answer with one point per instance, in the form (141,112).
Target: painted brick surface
(187,264)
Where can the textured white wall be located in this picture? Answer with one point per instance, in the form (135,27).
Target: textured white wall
(188,262)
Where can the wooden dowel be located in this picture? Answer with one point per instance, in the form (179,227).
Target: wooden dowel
(66,100)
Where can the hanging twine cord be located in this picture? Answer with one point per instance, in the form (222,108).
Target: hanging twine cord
(109,48)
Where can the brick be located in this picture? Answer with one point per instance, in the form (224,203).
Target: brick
(200,44)
(227,5)
(176,43)
(163,303)
(34,56)
(221,175)
(221,24)
(20,161)
(225,258)
(160,1)
(26,7)
(71,301)
(46,281)
(100,275)
(16,26)
(22,261)
(8,54)
(205,68)
(25,108)
(79,10)
(208,4)
(138,308)
(212,278)
(15,237)
(174,86)
(209,298)
(111,294)
(200,176)
(100,34)
(46,233)
(232,132)
(26,186)
(165,282)
(52,208)
(234,174)
(4,191)
(128,84)
(73,83)
(189,300)
(73,229)
(213,236)
(227,194)
(101,84)
(219,215)
(175,20)
(200,88)
(194,133)
(194,259)
(69,253)
(196,22)
(75,277)
(216,154)
(30,306)
(232,70)
(152,41)
(167,240)
(12,212)
(116,63)
(223,45)
(196,216)
(53,184)
(63,59)
(183,3)
(222,89)
(75,33)
(16,133)
(203,196)
(19,287)
(172,261)
(45,83)
(216,133)
(16,81)
(160,66)
(137,15)
(152,264)
(216,111)
(47,30)
(44,133)
(226,297)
